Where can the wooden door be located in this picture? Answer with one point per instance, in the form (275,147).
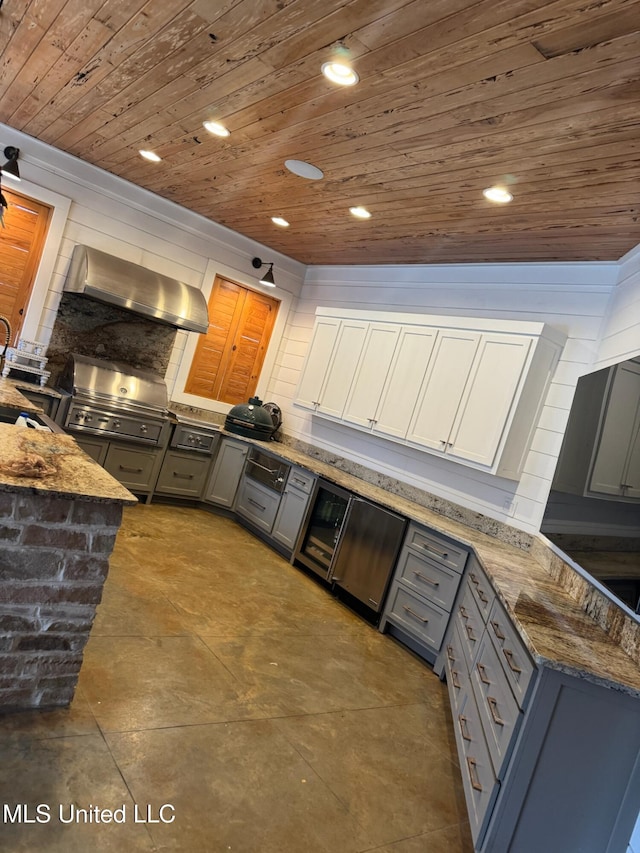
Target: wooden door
(21,243)
(228,358)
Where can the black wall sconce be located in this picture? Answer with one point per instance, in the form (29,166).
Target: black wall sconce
(267,278)
(10,168)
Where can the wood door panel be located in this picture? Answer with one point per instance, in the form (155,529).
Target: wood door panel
(228,358)
(21,244)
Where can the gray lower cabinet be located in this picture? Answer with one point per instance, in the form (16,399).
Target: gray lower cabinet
(257,504)
(292,509)
(95,448)
(135,467)
(226,472)
(183,474)
(540,769)
(423,589)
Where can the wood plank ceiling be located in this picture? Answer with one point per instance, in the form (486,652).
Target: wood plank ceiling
(454,96)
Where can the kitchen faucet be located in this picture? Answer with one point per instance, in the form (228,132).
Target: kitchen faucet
(7,325)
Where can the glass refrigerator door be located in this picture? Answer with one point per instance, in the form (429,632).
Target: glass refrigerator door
(323,528)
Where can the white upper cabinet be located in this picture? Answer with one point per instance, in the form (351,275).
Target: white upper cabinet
(467,390)
(342,367)
(316,365)
(406,372)
(488,397)
(439,398)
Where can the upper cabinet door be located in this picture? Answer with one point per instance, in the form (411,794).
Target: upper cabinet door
(410,360)
(371,374)
(615,460)
(488,398)
(344,362)
(317,362)
(442,390)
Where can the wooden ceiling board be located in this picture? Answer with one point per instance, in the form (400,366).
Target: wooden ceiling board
(454,95)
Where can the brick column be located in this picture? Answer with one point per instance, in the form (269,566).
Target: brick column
(53,564)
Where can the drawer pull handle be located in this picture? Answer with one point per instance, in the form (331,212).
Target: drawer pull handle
(483,598)
(469,630)
(493,707)
(454,679)
(256,504)
(512,666)
(473,578)
(414,614)
(450,653)
(497,630)
(182,476)
(431,550)
(425,578)
(475,782)
(298,480)
(464,731)
(463,612)
(483,673)
(128,470)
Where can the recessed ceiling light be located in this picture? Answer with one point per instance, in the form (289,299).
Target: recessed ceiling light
(360,212)
(304,170)
(340,73)
(279,220)
(216,128)
(151,156)
(499,195)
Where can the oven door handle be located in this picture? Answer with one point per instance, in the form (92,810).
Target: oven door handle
(264,467)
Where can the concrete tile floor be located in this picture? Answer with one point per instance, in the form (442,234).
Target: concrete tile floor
(222,681)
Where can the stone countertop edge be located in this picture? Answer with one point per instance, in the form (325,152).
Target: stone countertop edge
(11,397)
(77,475)
(557,632)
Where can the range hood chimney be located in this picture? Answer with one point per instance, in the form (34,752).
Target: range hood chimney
(117,282)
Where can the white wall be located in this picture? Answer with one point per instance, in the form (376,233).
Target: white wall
(98,209)
(570,297)
(620,333)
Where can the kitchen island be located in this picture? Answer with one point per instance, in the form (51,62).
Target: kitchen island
(60,516)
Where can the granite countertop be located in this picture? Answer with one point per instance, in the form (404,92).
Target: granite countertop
(11,398)
(76,475)
(556,631)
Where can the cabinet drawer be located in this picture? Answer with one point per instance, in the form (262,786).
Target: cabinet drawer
(435,582)
(456,670)
(134,468)
(183,474)
(433,546)
(257,504)
(478,779)
(424,620)
(470,626)
(301,479)
(514,658)
(481,589)
(497,707)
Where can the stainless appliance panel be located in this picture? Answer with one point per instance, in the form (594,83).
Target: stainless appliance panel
(367,552)
(114,424)
(266,469)
(200,439)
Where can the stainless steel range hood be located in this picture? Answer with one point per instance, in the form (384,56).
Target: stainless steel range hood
(117,282)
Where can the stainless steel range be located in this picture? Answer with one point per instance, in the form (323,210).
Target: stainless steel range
(115,401)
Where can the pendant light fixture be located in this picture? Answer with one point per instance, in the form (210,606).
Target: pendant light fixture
(266,279)
(10,168)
